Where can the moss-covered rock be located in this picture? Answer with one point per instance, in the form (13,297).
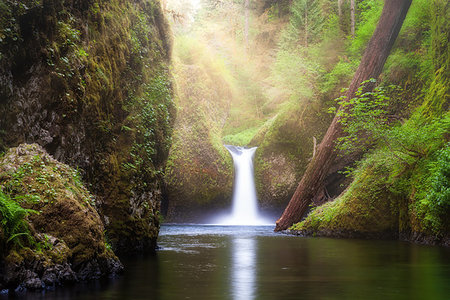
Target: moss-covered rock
(199,170)
(90,82)
(285,149)
(65,239)
(401,196)
(366,210)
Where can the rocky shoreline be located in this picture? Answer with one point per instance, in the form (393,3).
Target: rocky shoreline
(36,274)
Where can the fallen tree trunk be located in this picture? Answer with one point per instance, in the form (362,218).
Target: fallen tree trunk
(372,62)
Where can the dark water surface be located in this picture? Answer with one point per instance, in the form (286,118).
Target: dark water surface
(227,262)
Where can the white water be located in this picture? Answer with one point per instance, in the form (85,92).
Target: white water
(245,204)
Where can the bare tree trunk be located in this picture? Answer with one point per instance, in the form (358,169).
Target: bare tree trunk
(352,16)
(306,24)
(246,24)
(372,62)
(340,8)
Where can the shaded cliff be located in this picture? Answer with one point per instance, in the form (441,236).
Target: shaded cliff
(89,81)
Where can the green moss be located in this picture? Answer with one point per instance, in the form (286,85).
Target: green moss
(102,67)
(367,208)
(27,173)
(401,188)
(285,148)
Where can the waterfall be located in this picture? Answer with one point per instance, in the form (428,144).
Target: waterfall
(245,204)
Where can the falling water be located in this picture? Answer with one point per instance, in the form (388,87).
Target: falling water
(245,204)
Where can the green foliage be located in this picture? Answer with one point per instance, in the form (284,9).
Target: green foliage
(409,68)
(295,74)
(242,138)
(434,196)
(366,117)
(338,76)
(415,157)
(370,12)
(410,166)
(13,222)
(305,23)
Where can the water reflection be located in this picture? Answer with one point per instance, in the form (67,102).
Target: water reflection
(229,262)
(243,268)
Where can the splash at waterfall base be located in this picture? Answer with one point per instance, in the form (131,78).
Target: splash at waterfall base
(245,203)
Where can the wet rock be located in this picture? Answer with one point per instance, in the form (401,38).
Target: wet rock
(32,281)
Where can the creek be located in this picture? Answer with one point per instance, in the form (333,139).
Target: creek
(252,262)
(240,259)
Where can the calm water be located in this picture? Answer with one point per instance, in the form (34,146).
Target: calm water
(219,262)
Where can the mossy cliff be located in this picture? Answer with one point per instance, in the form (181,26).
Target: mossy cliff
(285,146)
(89,81)
(199,170)
(50,230)
(390,200)
(401,189)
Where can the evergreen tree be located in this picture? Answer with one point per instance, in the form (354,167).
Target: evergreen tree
(306,22)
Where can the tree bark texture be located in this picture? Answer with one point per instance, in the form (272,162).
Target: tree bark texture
(372,62)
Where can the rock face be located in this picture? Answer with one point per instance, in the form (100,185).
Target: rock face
(199,172)
(89,81)
(65,239)
(285,148)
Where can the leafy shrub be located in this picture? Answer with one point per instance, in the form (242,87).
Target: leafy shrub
(435,204)
(370,11)
(367,117)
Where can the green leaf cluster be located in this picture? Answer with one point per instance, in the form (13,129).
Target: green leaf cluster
(13,222)
(305,24)
(367,117)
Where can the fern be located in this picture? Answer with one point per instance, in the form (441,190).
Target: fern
(13,221)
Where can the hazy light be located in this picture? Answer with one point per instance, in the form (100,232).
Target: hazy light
(196,3)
